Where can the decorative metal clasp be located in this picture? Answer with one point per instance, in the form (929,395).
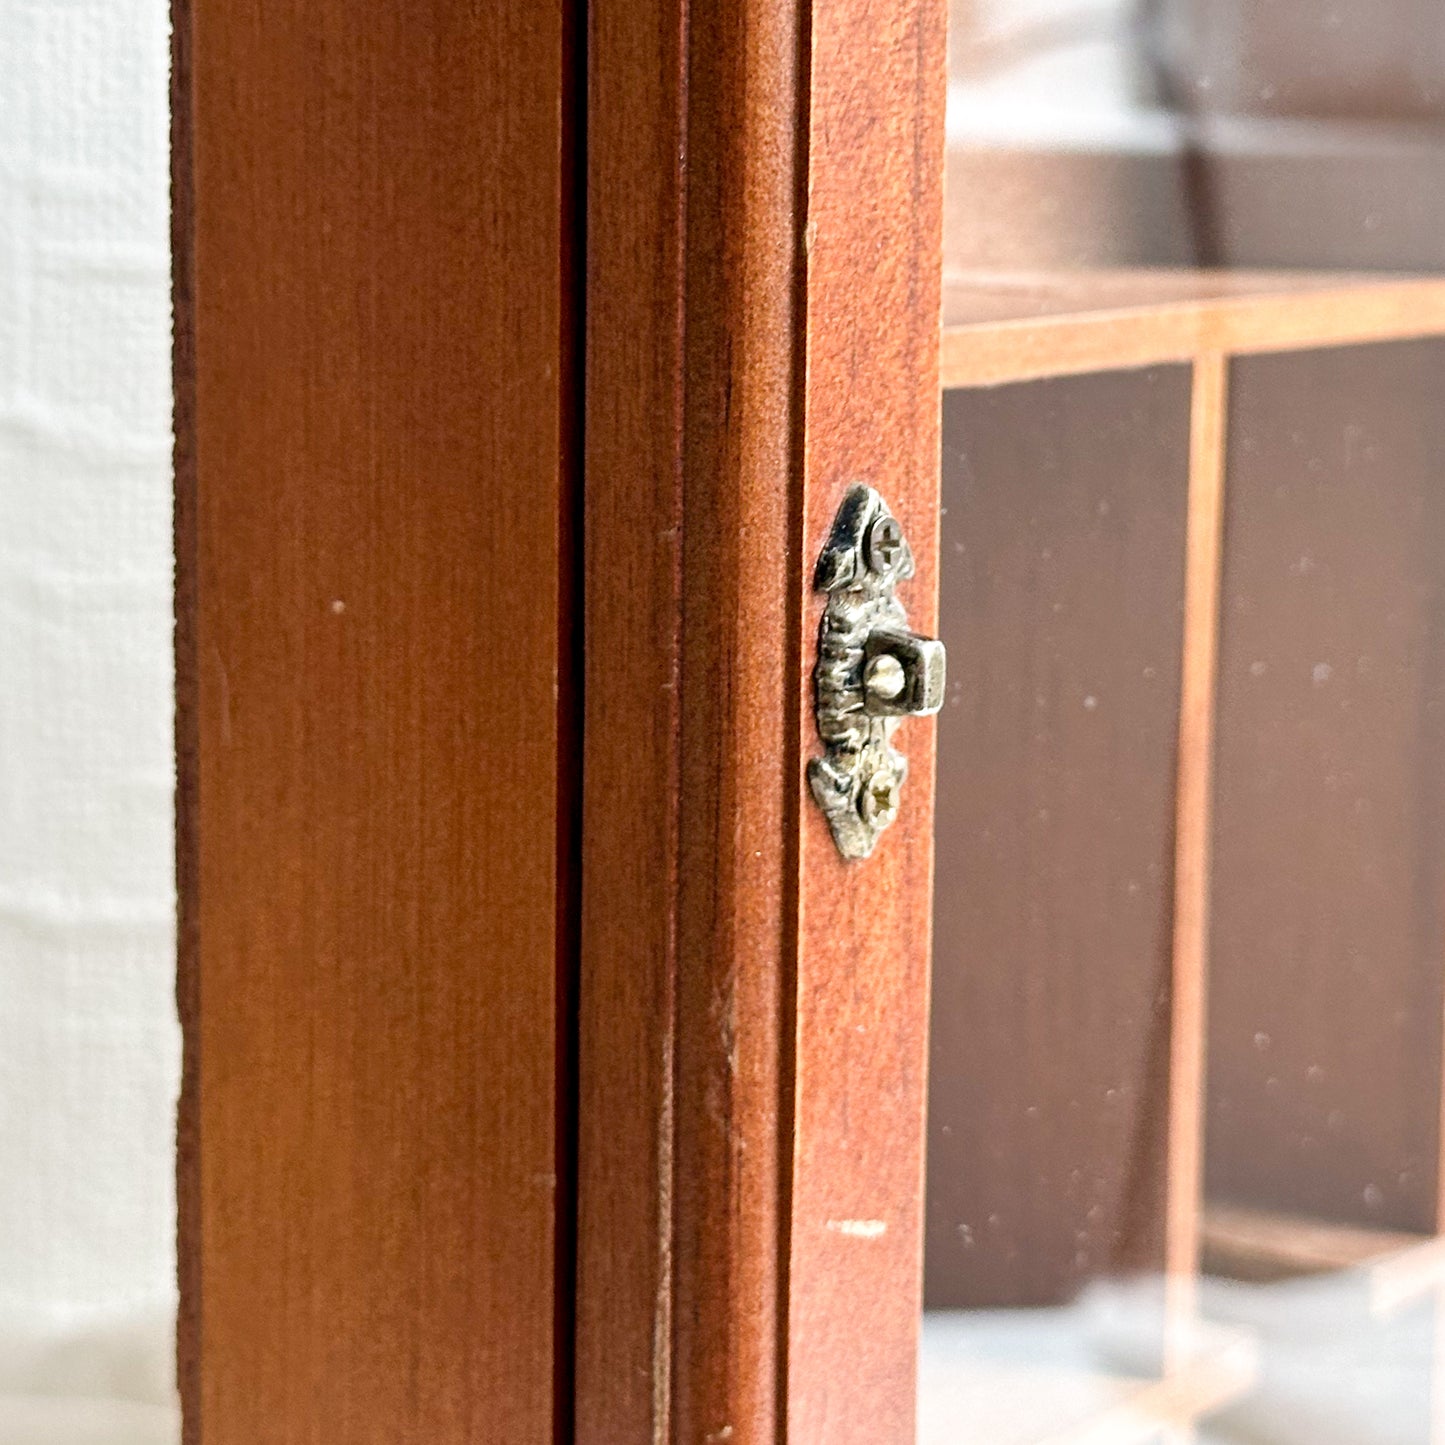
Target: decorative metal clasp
(872,672)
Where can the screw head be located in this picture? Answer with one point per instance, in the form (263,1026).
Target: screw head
(878,802)
(885,544)
(885,678)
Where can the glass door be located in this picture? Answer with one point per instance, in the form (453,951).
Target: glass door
(1185,1165)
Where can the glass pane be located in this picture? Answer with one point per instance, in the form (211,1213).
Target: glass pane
(1241,133)
(89,1047)
(1063,545)
(1188,1040)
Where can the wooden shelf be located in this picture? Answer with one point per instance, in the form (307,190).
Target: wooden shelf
(1002,327)
(1256,1245)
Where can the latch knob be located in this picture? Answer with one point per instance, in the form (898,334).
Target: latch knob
(871,673)
(902,674)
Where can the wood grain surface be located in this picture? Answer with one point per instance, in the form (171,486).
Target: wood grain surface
(739,769)
(716,137)
(635,327)
(377,475)
(873,272)
(377,633)
(1329,855)
(1063,585)
(691,763)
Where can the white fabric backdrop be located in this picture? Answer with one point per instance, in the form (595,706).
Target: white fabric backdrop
(89,1050)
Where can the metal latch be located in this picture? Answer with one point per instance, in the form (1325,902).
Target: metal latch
(871,673)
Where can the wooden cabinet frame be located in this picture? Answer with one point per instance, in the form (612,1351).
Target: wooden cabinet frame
(548,1074)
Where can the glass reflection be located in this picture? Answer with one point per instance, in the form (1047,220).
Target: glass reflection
(1185,1169)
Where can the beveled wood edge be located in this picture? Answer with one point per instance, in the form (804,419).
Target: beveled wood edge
(993,353)
(690,809)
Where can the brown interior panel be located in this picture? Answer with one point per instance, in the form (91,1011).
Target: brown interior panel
(1064,505)
(1328,929)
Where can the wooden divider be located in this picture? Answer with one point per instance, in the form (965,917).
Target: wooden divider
(1193,794)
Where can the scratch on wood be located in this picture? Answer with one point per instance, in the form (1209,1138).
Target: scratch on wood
(859,1228)
(662,1306)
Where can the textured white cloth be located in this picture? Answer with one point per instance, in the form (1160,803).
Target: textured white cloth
(101,1378)
(89,1046)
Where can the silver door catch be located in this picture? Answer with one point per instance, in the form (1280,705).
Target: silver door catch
(871,673)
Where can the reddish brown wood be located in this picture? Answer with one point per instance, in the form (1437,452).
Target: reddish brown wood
(873,270)
(381,549)
(690,761)
(375,488)
(690,380)
(633,515)
(701,635)
(738,779)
